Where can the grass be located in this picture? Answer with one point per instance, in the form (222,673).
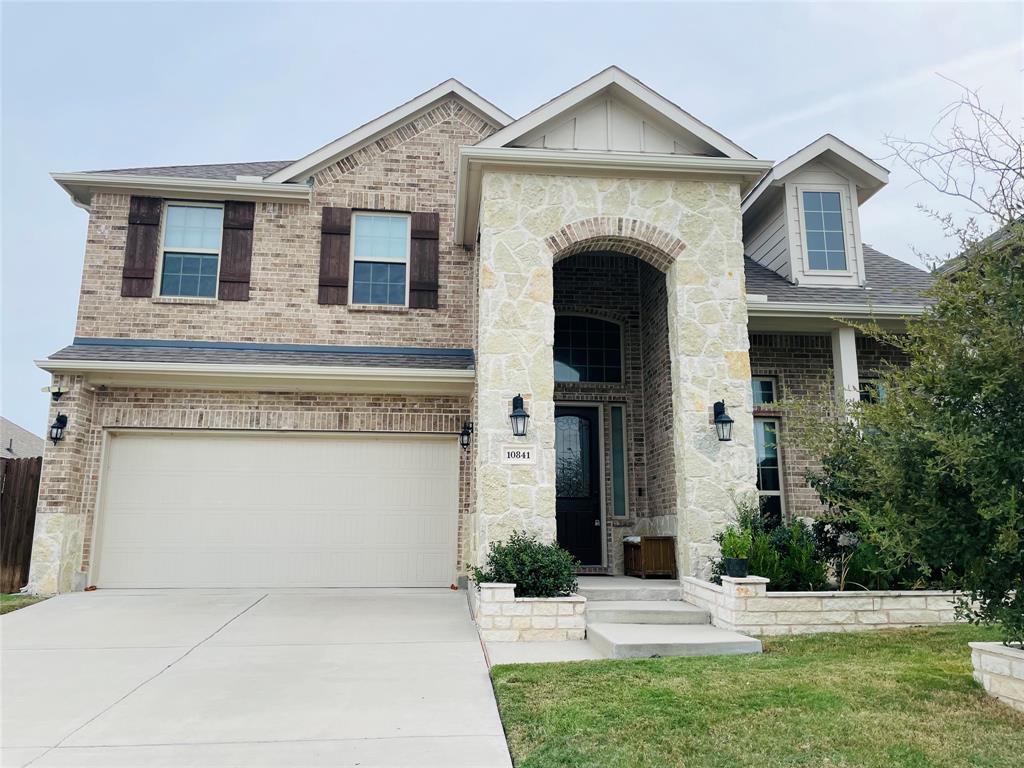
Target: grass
(886,699)
(10,603)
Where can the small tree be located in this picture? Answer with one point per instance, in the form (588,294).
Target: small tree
(933,473)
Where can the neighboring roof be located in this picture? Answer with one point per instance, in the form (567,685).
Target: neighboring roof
(350,142)
(228,171)
(868,175)
(231,353)
(17,442)
(889,282)
(627,86)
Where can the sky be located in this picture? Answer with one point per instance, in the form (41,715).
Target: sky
(88,86)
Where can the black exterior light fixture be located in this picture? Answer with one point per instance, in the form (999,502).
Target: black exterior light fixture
(464,435)
(518,417)
(723,422)
(57,428)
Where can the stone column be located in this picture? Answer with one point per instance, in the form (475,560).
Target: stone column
(60,516)
(708,345)
(514,356)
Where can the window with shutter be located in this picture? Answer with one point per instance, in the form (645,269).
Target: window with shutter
(191,249)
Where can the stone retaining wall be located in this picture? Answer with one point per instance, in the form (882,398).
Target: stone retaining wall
(1000,670)
(502,617)
(745,605)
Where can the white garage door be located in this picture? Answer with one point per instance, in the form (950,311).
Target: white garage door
(272,510)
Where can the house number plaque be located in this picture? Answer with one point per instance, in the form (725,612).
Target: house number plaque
(517,454)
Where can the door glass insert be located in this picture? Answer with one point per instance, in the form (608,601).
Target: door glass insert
(572,443)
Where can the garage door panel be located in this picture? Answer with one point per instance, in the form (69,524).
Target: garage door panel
(204,510)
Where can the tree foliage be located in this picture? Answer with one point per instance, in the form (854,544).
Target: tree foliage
(933,474)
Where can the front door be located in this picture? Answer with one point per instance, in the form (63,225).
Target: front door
(578,482)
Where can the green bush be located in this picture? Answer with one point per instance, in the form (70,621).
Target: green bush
(537,569)
(736,542)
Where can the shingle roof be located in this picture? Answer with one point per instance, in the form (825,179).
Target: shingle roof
(889,281)
(229,353)
(217,171)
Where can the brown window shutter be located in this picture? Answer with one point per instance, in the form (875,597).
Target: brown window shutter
(236,251)
(423,259)
(335,235)
(142,246)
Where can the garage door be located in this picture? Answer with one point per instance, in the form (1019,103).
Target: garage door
(272,510)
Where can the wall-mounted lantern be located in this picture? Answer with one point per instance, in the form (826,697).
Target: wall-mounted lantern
(58,427)
(723,422)
(518,417)
(464,435)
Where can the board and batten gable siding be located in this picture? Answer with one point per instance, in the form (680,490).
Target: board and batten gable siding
(412,169)
(767,242)
(820,175)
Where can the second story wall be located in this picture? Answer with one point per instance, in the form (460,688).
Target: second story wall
(411,169)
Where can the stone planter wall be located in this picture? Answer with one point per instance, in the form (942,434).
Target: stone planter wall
(1000,670)
(502,617)
(745,605)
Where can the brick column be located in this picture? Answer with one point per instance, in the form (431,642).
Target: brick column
(60,515)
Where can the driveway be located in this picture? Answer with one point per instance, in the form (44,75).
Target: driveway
(248,678)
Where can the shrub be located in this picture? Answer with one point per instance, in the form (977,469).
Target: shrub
(537,569)
(736,542)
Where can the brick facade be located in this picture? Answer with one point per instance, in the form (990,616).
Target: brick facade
(801,365)
(411,169)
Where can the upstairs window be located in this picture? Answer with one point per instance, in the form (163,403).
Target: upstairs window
(380,258)
(823,230)
(587,349)
(190,255)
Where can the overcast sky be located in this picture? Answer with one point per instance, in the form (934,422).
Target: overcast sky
(94,86)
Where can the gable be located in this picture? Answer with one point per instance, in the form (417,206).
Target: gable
(615,112)
(606,123)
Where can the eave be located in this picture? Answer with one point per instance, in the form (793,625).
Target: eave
(473,161)
(82,186)
(266,378)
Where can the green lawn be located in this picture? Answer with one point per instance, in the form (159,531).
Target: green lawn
(890,699)
(10,603)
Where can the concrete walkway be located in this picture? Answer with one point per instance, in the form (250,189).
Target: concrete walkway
(247,678)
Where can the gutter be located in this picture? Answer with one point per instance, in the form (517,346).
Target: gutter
(82,186)
(815,309)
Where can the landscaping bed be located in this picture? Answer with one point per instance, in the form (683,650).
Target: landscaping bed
(886,699)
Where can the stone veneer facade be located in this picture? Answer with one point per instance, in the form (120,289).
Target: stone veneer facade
(688,230)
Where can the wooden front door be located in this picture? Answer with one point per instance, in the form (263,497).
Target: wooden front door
(578,482)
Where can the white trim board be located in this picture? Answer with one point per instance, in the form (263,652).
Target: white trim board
(82,186)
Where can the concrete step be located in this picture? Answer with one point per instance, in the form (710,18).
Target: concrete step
(643,641)
(645,612)
(623,588)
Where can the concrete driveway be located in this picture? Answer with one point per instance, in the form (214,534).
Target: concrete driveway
(248,678)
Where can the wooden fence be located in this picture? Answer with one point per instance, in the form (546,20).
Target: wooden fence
(19,488)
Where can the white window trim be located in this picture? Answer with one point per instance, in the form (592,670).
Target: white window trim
(849,238)
(781,493)
(775,390)
(158,281)
(379,259)
(622,349)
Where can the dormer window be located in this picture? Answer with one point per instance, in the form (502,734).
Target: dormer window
(823,230)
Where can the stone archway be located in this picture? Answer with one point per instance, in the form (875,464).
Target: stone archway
(630,237)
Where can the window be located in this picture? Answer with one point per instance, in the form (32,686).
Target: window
(769,473)
(587,349)
(619,491)
(823,230)
(380,258)
(872,391)
(763,389)
(191,250)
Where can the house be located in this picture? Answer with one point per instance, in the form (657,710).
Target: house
(17,442)
(274,363)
